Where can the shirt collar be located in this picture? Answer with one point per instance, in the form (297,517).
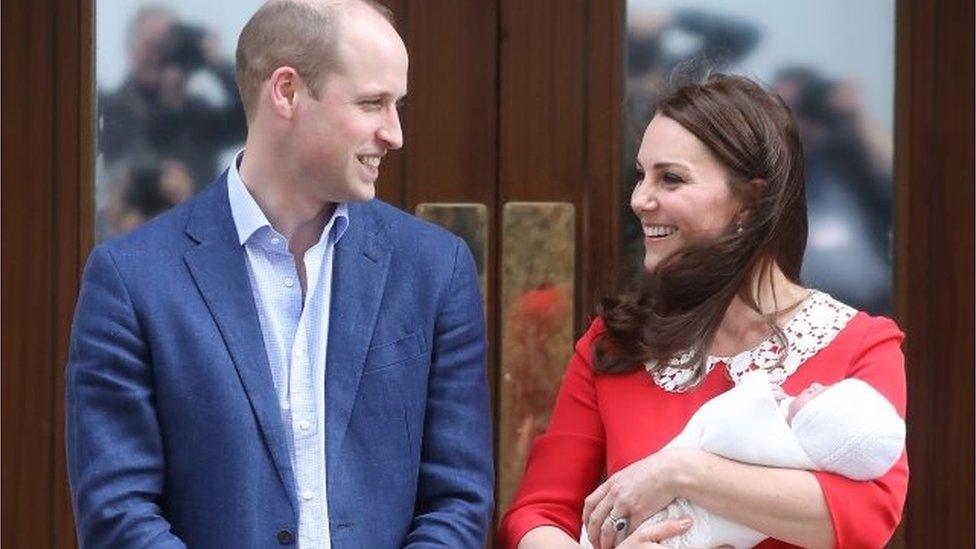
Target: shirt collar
(249,218)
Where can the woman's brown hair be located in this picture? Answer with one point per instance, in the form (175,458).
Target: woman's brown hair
(676,308)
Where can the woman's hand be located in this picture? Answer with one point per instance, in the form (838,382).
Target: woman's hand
(634,494)
(646,537)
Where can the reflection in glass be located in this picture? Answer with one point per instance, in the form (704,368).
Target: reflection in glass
(468,221)
(833,63)
(168,111)
(538,251)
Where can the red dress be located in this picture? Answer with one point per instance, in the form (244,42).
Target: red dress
(604,423)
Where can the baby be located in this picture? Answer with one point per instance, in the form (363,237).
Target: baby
(847,428)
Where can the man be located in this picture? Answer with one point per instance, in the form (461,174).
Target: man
(282,360)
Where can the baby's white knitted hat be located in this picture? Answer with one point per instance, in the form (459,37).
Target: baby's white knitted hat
(851,429)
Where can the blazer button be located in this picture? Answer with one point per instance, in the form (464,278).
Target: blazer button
(285,537)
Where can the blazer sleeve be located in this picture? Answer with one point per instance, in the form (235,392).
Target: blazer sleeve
(456,482)
(566,461)
(866,513)
(114,447)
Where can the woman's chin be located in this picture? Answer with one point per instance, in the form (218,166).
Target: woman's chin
(651,263)
(653,256)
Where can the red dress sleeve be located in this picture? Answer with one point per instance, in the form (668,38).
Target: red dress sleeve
(865,514)
(566,461)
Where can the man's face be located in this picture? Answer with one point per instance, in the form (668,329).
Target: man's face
(146,47)
(341,137)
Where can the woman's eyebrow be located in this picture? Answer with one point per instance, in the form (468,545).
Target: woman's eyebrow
(671,163)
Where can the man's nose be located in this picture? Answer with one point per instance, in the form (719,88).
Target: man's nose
(391,133)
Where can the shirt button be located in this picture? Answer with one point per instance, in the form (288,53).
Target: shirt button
(276,241)
(289,281)
(305,425)
(307,495)
(285,537)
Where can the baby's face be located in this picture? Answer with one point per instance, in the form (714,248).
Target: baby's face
(801,399)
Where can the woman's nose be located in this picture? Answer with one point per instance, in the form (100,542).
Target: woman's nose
(643,199)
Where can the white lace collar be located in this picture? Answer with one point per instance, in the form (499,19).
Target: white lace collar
(811,329)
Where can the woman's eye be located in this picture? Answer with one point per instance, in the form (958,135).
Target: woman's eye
(640,178)
(672,179)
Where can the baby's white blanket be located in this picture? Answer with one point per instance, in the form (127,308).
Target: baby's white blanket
(744,424)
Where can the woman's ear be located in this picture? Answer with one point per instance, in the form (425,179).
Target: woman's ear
(754,190)
(758,185)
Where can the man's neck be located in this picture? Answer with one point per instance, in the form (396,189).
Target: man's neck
(299,216)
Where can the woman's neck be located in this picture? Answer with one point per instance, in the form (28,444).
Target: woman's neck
(743,328)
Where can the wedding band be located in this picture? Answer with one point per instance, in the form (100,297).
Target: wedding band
(619,523)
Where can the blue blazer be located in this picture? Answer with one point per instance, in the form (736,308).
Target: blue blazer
(173,430)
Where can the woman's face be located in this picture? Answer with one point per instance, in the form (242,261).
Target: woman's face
(682,196)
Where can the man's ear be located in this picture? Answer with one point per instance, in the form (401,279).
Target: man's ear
(283,87)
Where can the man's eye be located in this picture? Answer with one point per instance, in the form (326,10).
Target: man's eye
(372,104)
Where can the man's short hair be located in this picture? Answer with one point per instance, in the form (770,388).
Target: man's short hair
(295,34)
(143,14)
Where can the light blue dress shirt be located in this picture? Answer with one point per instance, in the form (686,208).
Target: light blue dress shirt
(295,330)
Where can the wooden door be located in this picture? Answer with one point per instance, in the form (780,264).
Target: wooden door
(512,106)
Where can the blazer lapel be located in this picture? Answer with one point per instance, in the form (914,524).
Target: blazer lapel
(361,264)
(218,265)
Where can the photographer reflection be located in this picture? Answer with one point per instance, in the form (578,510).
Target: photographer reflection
(140,188)
(848,180)
(154,113)
(658,42)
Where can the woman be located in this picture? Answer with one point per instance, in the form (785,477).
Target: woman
(721,202)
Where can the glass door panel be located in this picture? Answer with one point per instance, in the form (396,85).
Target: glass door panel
(833,63)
